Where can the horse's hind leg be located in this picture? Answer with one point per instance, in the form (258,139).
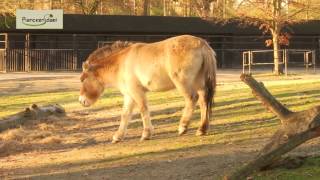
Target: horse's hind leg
(204,123)
(191,98)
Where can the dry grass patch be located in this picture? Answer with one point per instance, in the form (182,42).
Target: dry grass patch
(80,143)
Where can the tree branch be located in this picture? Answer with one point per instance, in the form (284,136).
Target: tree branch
(296,128)
(265,97)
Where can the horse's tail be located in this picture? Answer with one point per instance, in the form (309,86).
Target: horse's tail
(210,68)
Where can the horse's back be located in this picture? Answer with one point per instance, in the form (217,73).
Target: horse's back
(156,65)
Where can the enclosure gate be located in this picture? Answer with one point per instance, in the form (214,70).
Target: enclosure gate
(249,61)
(309,59)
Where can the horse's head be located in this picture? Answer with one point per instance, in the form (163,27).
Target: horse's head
(91,86)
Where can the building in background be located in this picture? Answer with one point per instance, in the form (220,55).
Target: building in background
(66,49)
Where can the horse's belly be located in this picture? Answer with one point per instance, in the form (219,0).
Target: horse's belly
(157,82)
(160,84)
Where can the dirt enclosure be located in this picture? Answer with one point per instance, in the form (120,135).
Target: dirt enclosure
(78,145)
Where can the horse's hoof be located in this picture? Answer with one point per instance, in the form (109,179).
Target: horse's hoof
(146,134)
(182,130)
(145,138)
(201,133)
(117,138)
(114,141)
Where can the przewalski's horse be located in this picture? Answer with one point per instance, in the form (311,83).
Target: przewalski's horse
(183,62)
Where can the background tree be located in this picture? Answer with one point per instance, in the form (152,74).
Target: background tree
(146,7)
(275,17)
(88,7)
(8,11)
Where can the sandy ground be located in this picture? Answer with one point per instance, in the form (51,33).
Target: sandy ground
(25,83)
(202,162)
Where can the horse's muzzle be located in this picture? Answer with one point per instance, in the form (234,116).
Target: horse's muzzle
(83,101)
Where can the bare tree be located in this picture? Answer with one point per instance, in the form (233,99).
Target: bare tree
(203,7)
(88,7)
(146,7)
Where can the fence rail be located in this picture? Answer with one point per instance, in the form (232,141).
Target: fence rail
(13,60)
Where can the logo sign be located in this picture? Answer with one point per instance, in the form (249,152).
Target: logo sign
(39,19)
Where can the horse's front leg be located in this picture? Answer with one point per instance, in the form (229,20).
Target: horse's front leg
(128,106)
(147,125)
(141,102)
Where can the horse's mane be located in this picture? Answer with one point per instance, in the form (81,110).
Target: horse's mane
(107,50)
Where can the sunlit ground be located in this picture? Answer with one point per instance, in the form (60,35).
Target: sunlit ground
(78,146)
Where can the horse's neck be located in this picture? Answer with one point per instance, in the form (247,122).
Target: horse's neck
(108,75)
(110,69)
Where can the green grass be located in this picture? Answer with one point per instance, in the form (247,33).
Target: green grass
(310,171)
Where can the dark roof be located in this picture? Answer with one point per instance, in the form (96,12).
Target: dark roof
(106,24)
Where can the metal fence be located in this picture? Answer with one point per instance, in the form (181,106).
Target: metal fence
(288,57)
(20,59)
(15,60)
(51,59)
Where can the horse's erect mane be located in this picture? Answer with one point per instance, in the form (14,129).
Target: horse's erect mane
(107,50)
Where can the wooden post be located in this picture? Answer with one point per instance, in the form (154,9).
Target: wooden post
(285,59)
(27,63)
(223,64)
(314,60)
(6,47)
(243,61)
(75,51)
(250,61)
(319,47)
(306,61)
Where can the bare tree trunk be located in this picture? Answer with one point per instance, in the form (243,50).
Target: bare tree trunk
(146,7)
(296,128)
(164,8)
(189,8)
(275,40)
(275,35)
(86,7)
(134,7)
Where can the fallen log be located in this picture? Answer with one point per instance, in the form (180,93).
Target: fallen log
(296,128)
(31,113)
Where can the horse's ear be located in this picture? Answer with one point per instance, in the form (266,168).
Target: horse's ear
(85,66)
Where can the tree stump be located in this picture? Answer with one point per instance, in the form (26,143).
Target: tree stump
(296,128)
(31,113)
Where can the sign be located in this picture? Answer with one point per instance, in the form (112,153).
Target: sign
(39,19)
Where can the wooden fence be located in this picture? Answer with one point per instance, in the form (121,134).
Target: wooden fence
(14,60)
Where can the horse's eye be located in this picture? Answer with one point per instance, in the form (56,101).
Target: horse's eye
(83,77)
